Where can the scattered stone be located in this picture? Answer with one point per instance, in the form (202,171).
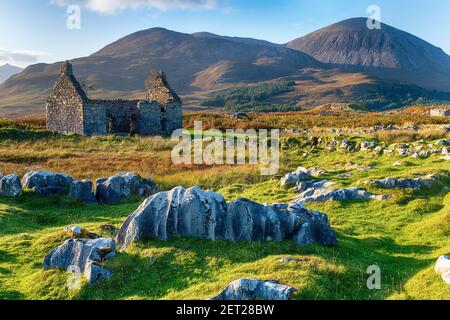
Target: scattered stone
(407,183)
(445,151)
(122,187)
(286,260)
(10,186)
(94,272)
(326,194)
(368,145)
(252,289)
(305,185)
(315,172)
(82,191)
(47,183)
(398,164)
(204,214)
(443,268)
(444,142)
(82,256)
(301,174)
(49,191)
(78,232)
(291,179)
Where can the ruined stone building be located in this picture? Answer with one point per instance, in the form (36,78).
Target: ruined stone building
(440,112)
(69,110)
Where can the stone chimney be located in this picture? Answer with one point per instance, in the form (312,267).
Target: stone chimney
(159,90)
(66,75)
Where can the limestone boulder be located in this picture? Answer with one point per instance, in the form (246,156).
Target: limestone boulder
(203,214)
(300,175)
(443,268)
(346,194)
(47,183)
(82,191)
(253,289)
(84,256)
(291,179)
(80,232)
(122,187)
(407,183)
(10,186)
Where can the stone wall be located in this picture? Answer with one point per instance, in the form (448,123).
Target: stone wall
(95,119)
(64,107)
(122,116)
(70,111)
(440,113)
(149,118)
(172,118)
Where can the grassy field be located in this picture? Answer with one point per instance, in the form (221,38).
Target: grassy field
(404,235)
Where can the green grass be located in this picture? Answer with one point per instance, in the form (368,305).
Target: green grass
(404,235)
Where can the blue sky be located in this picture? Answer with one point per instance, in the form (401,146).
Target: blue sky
(35,30)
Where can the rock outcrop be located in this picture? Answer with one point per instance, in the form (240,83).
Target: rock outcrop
(47,183)
(82,191)
(203,214)
(84,256)
(320,192)
(122,187)
(407,183)
(80,233)
(252,289)
(443,268)
(301,174)
(10,186)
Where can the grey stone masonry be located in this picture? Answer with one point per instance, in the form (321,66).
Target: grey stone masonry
(440,112)
(69,110)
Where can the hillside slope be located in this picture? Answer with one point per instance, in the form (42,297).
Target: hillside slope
(388,53)
(191,63)
(7,70)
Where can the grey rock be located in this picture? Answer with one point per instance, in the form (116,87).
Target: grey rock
(49,191)
(203,214)
(253,289)
(81,255)
(407,183)
(444,142)
(47,183)
(82,190)
(122,187)
(10,186)
(305,185)
(291,179)
(95,272)
(326,194)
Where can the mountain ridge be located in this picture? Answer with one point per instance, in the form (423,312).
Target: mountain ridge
(7,70)
(204,62)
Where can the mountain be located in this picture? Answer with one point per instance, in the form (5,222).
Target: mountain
(192,63)
(387,53)
(236,39)
(7,70)
(345,62)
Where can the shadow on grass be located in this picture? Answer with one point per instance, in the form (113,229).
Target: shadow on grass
(32,213)
(183,263)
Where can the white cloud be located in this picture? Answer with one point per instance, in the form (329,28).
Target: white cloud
(20,57)
(114,6)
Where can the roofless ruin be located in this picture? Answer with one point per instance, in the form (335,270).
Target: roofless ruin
(69,110)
